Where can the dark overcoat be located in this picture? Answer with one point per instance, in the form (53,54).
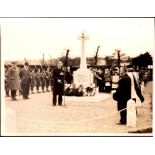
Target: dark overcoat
(13,78)
(25,77)
(58,87)
(69,77)
(123,92)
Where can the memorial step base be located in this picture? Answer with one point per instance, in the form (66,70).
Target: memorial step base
(88,99)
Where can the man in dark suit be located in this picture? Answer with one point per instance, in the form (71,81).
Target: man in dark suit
(69,76)
(123,94)
(100,80)
(25,80)
(58,87)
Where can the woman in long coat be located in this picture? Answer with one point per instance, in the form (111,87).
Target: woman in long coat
(13,80)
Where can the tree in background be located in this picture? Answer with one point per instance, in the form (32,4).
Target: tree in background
(119,56)
(110,61)
(143,60)
(66,58)
(96,56)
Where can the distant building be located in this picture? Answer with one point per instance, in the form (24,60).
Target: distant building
(125,63)
(101,61)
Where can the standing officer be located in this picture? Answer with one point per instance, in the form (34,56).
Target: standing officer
(51,80)
(6,84)
(33,76)
(48,77)
(38,80)
(25,80)
(13,80)
(58,87)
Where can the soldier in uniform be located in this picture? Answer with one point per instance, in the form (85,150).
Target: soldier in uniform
(51,80)
(20,91)
(33,76)
(6,84)
(58,87)
(13,80)
(38,80)
(48,77)
(43,79)
(25,80)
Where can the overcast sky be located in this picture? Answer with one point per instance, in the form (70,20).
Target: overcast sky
(31,37)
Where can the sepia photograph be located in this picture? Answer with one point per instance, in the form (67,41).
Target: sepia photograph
(77,76)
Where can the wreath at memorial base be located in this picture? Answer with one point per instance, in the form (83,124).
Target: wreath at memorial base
(71,90)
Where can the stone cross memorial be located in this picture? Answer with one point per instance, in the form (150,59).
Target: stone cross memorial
(83,76)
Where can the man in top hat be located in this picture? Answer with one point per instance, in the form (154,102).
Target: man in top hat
(25,80)
(13,80)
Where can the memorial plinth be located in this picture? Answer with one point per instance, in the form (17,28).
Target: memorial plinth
(83,76)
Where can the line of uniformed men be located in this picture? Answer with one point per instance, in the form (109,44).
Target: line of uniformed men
(41,79)
(26,79)
(22,80)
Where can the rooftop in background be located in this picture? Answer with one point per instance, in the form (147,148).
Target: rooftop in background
(31,62)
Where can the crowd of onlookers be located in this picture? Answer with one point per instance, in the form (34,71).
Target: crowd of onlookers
(107,78)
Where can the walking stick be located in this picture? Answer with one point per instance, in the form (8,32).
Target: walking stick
(66,64)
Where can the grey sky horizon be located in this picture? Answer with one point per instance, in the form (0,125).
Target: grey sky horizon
(30,38)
